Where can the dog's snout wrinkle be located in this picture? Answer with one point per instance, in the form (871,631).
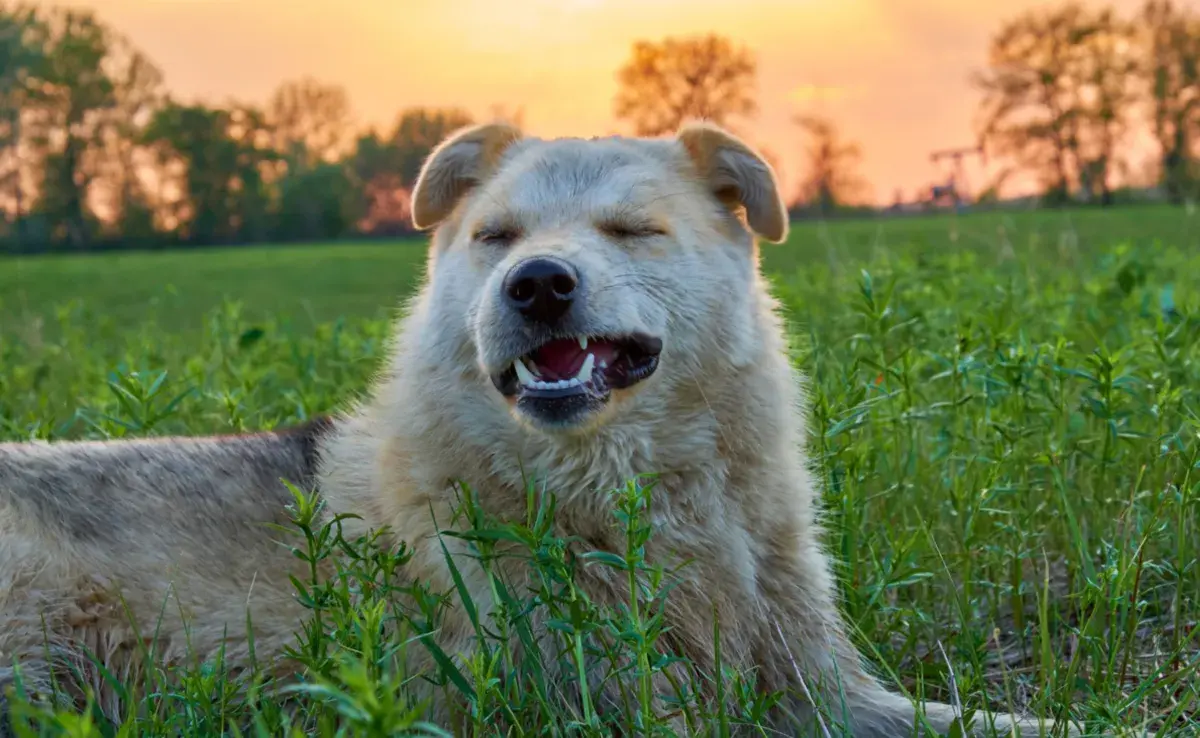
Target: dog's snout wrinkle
(541,288)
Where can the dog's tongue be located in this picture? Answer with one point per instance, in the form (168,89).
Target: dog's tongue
(562,359)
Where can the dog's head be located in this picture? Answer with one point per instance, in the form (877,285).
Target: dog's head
(587,275)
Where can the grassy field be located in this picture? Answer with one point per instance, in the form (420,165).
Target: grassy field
(1006,413)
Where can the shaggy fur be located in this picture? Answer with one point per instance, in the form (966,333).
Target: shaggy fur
(721,423)
(171,531)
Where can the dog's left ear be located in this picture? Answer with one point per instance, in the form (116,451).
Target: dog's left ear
(460,162)
(738,176)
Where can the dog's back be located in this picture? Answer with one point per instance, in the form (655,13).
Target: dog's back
(178,525)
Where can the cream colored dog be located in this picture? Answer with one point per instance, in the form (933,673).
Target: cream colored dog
(593,311)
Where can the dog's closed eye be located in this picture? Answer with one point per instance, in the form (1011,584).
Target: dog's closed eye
(496,235)
(626,230)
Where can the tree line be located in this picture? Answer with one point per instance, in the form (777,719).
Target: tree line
(96,153)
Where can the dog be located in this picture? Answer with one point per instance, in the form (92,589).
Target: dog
(593,311)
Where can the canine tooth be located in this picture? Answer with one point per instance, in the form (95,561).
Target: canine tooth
(585,372)
(523,374)
(583,342)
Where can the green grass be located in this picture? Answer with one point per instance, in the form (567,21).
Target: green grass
(311,284)
(1006,414)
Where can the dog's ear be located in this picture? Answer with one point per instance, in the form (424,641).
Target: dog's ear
(738,176)
(461,161)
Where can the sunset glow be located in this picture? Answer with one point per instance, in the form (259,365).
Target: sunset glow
(892,73)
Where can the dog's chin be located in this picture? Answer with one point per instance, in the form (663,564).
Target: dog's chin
(566,384)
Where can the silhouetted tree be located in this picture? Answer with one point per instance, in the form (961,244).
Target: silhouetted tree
(669,81)
(1171,43)
(320,202)
(1057,95)
(376,167)
(67,107)
(387,166)
(417,131)
(20,60)
(310,120)
(218,157)
(138,93)
(1107,76)
(831,178)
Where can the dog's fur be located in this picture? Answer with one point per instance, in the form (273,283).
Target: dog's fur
(721,423)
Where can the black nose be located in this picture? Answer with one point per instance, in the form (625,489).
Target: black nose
(541,288)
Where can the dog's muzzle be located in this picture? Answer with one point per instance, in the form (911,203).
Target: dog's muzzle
(563,373)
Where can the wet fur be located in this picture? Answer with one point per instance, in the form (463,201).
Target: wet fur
(722,424)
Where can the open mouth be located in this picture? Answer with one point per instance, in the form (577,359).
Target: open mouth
(586,367)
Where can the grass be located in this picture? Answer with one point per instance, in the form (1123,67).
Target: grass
(1006,414)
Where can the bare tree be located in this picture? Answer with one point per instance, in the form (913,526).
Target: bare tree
(1058,94)
(1171,43)
(666,82)
(1107,66)
(310,120)
(1030,110)
(830,173)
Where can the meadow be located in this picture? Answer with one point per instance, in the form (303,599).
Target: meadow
(1005,415)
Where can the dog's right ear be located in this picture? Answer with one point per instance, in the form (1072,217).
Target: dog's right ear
(461,161)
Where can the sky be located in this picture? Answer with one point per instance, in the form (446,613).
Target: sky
(893,74)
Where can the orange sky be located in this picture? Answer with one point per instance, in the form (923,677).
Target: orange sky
(893,73)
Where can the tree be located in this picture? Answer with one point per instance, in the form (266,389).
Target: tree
(1028,107)
(71,94)
(217,157)
(20,61)
(667,82)
(417,132)
(310,120)
(376,167)
(1171,44)
(830,178)
(1057,95)
(138,93)
(387,167)
(1106,73)
(319,203)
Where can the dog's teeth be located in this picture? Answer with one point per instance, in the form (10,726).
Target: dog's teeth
(603,365)
(541,385)
(524,376)
(585,372)
(583,342)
